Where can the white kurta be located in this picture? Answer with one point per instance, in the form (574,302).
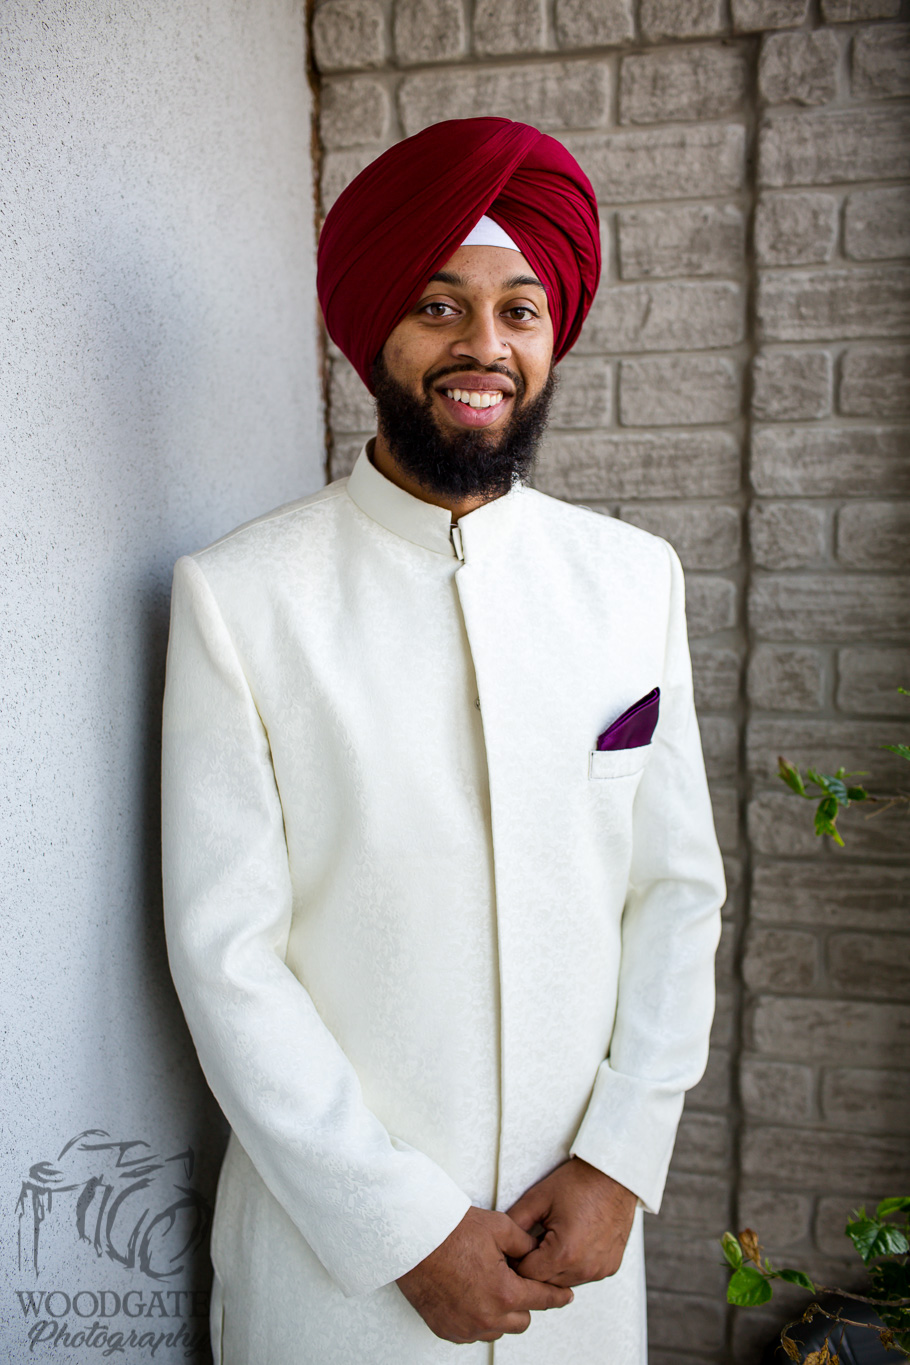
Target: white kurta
(428,942)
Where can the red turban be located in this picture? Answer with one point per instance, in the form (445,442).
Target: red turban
(398,222)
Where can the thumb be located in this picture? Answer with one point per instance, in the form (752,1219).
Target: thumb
(533,1207)
(514,1241)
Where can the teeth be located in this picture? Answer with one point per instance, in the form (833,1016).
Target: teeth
(474,398)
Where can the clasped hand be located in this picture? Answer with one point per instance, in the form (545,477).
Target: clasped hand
(490,1273)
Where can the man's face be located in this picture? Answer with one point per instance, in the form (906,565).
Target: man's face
(464,382)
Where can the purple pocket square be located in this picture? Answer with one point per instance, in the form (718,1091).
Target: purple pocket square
(634,728)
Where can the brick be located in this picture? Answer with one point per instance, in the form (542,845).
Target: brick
(811,1157)
(881,61)
(551,96)
(780,960)
(846,607)
(870,965)
(683,1317)
(688,239)
(877,224)
(830,462)
(875,381)
(868,680)
(716,673)
(703,1144)
(506,27)
(663,163)
(785,678)
(753,16)
(850,11)
(841,895)
(352,111)
(814,304)
(753,1332)
(593,23)
(348,33)
(726,961)
(680,390)
(791,386)
(682,83)
(428,30)
(666,315)
(340,168)
(795,229)
(687,1265)
(583,395)
(722,1028)
(583,466)
(703,537)
(344,455)
(780,1222)
(700,1203)
(799,68)
(816,1030)
(350,403)
(714,1088)
(720,744)
(786,535)
(882,836)
(871,1101)
(824,745)
(681,18)
(725,805)
(832,1215)
(710,605)
(874,535)
(773,829)
(827,148)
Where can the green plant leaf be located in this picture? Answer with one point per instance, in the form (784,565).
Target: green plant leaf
(732,1250)
(825,818)
(872,1238)
(902,1203)
(902,749)
(797,1277)
(857,794)
(748,1287)
(789,773)
(833,787)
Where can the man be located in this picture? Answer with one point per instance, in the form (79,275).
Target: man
(443,930)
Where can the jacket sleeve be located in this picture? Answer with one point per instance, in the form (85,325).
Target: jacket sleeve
(369,1205)
(670,930)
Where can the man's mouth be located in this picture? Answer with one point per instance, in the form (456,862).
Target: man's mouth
(475,398)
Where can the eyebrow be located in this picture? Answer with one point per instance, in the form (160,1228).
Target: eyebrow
(460,282)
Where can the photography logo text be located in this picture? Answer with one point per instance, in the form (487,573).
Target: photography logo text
(115,1206)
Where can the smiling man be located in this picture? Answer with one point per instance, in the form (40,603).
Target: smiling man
(441,883)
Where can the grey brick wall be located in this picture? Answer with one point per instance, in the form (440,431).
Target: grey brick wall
(742,386)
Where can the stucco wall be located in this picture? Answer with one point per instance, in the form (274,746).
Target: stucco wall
(741,387)
(158,385)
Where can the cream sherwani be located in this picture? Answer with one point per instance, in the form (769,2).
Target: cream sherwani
(428,941)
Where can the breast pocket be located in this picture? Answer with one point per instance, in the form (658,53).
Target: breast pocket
(610,763)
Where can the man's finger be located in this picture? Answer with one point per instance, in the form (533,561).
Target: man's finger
(514,1241)
(531,1208)
(537,1295)
(545,1262)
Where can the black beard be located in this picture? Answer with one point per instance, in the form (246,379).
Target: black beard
(460,464)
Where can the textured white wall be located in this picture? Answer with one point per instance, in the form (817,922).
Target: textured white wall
(158,385)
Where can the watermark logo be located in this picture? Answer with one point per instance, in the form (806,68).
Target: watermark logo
(138,1212)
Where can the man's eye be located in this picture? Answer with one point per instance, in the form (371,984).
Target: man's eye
(527,314)
(438,310)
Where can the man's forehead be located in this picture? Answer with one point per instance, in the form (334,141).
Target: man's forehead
(487,266)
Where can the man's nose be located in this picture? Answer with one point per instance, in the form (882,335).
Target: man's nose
(481,339)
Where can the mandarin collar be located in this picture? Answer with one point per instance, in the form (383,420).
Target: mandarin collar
(424,523)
